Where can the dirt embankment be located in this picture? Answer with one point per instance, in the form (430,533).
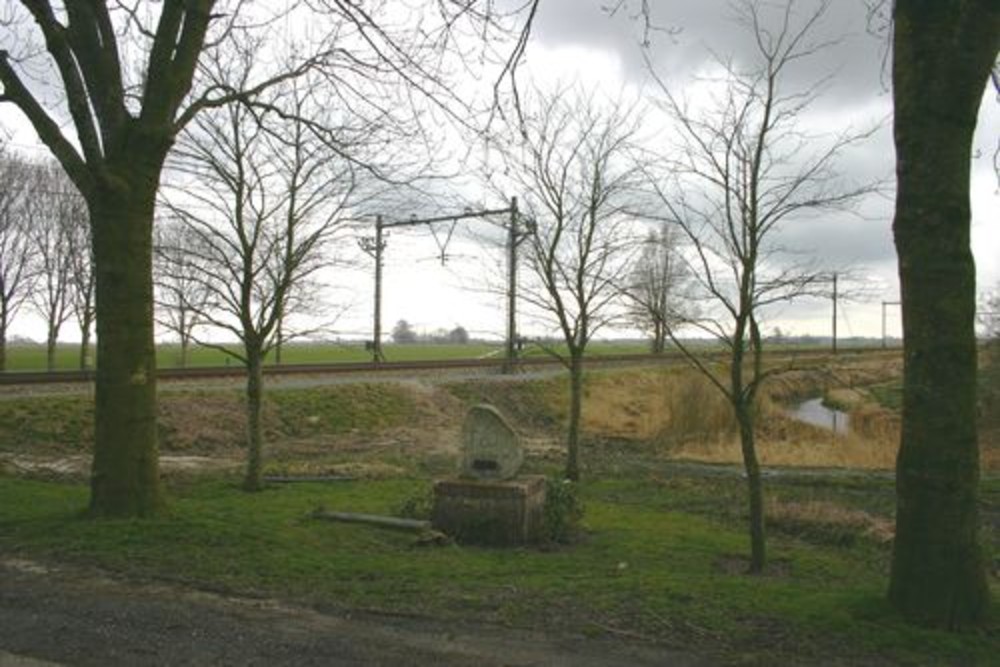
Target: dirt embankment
(379,429)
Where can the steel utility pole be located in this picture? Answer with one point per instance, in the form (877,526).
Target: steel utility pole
(375,249)
(377,355)
(835,313)
(512,241)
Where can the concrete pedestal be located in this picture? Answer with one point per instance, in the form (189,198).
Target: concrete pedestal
(490,512)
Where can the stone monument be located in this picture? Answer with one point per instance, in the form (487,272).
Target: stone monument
(489,503)
(490,447)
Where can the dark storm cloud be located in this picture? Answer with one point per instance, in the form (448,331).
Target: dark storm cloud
(840,241)
(855,96)
(686,33)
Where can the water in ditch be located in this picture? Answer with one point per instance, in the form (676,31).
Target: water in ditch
(814,412)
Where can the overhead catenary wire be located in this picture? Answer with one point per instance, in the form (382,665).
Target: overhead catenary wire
(375,248)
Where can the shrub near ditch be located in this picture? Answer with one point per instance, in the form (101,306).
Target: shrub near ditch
(563,512)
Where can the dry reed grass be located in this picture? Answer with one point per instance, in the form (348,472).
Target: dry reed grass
(801,446)
(687,418)
(829,520)
(648,405)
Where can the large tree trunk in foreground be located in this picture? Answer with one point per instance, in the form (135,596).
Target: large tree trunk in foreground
(125,478)
(943,52)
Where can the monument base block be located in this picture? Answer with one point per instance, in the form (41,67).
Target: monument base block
(490,512)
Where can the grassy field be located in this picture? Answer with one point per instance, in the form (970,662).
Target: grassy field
(662,561)
(663,551)
(32,357)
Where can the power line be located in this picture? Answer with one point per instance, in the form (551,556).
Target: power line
(375,248)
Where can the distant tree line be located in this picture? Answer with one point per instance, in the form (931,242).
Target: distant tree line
(403,333)
(46,263)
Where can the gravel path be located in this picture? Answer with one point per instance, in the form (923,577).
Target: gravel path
(71,616)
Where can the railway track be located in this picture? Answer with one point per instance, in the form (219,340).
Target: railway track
(198,372)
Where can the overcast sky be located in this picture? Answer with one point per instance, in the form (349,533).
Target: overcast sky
(576,38)
(578,41)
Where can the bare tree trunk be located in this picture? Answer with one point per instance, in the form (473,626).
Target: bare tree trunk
(255,436)
(3,340)
(279,339)
(755,486)
(575,412)
(125,479)
(185,344)
(938,570)
(741,396)
(85,344)
(50,350)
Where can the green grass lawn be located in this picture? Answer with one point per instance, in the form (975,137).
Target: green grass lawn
(21,357)
(32,357)
(645,569)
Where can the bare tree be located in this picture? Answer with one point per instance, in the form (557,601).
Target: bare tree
(306,295)
(83,280)
(573,171)
(267,200)
(16,277)
(56,211)
(657,285)
(181,292)
(744,167)
(126,76)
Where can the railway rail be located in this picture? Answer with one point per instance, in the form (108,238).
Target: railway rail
(198,372)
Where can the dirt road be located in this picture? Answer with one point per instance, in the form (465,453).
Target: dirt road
(74,616)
